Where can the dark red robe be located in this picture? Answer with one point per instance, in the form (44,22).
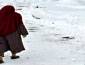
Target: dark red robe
(11,29)
(9,20)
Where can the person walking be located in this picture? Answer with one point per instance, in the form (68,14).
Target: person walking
(11,29)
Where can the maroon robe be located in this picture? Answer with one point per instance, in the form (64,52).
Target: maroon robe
(11,29)
(9,20)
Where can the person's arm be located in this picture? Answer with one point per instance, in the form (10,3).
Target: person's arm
(22,30)
(21,27)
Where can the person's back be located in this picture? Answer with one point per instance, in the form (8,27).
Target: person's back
(9,20)
(11,29)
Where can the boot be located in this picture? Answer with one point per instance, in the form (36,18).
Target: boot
(1,60)
(14,56)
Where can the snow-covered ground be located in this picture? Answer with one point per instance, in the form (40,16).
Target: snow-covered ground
(48,21)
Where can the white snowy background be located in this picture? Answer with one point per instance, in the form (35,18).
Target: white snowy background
(48,21)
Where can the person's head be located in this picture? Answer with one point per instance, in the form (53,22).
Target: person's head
(8,9)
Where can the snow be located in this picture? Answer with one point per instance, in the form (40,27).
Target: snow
(53,20)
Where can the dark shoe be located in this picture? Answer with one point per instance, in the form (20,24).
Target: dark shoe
(1,61)
(15,57)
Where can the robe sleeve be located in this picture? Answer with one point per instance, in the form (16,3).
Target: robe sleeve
(21,27)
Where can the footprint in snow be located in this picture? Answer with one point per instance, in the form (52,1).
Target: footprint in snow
(66,38)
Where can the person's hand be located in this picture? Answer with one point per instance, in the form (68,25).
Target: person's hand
(24,36)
